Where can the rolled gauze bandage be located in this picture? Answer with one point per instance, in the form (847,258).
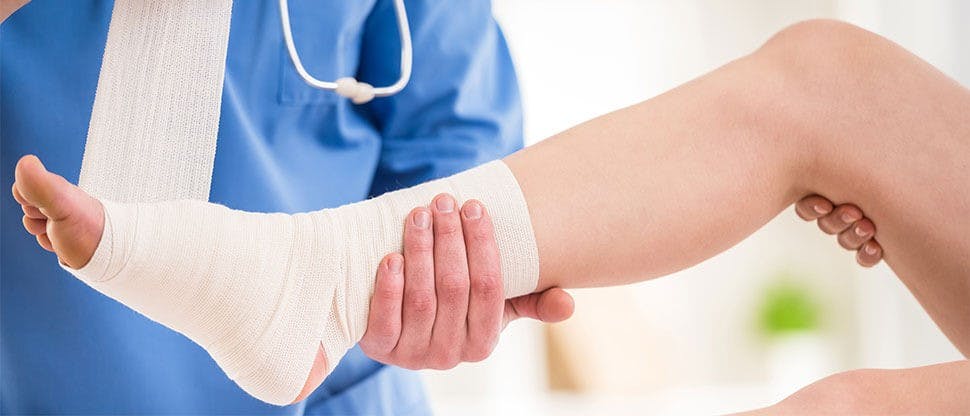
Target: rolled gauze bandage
(262,292)
(155,119)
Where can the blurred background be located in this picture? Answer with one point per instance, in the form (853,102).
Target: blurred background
(746,328)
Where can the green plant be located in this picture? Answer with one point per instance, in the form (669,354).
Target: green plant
(788,307)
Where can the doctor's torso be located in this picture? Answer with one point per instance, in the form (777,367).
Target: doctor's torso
(282,146)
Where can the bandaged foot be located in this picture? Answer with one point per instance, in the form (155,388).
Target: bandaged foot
(270,296)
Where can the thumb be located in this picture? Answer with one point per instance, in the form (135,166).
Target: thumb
(551,305)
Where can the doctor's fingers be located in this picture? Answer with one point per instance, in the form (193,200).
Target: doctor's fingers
(857,234)
(420,302)
(384,320)
(860,237)
(813,207)
(486,299)
(550,306)
(451,285)
(840,219)
(869,254)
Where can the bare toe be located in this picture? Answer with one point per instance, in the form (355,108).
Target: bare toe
(42,189)
(17,195)
(32,212)
(35,226)
(70,222)
(45,242)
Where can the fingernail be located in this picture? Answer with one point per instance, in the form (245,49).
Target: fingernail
(473,211)
(849,217)
(445,204)
(422,219)
(870,249)
(820,209)
(860,232)
(394,264)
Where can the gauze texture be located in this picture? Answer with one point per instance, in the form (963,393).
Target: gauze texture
(152,135)
(261,292)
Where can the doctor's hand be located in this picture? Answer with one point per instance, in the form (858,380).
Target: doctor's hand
(856,232)
(442,302)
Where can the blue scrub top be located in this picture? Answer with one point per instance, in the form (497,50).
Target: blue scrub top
(282,146)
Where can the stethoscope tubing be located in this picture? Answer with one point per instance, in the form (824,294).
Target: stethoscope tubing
(404,31)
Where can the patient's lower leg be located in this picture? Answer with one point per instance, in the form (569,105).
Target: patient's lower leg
(823,108)
(635,194)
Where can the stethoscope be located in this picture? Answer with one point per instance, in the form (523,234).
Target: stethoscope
(358,92)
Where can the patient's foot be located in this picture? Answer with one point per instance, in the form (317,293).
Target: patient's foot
(275,299)
(69,222)
(65,219)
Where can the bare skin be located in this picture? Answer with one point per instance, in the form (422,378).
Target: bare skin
(7,7)
(464,320)
(854,230)
(820,103)
(938,389)
(477,316)
(464,324)
(401,330)
(772,126)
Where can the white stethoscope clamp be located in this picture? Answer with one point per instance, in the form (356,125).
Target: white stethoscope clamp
(356,91)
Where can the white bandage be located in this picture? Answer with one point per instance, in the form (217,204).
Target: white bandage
(261,292)
(152,135)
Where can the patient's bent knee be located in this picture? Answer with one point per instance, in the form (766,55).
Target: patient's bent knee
(813,42)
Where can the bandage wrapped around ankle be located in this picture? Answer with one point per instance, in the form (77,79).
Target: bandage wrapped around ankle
(261,292)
